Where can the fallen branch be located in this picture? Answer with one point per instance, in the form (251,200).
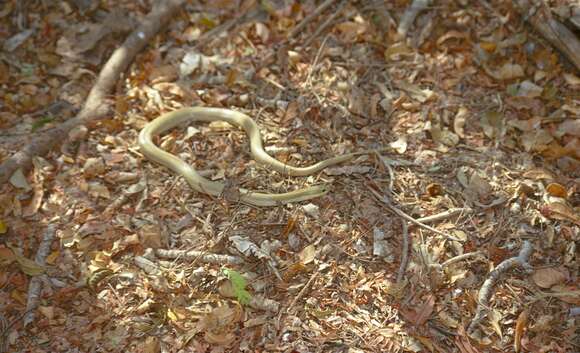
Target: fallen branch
(410,15)
(249,15)
(199,256)
(309,18)
(96,105)
(325,24)
(444,215)
(486,290)
(35,286)
(441,267)
(405,255)
(302,291)
(538,14)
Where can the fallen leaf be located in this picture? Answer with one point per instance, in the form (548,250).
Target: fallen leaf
(492,124)
(509,71)
(571,79)
(425,310)
(350,31)
(400,145)
(539,174)
(311,210)
(555,189)
(19,180)
(547,277)
(7,256)
(444,136)
(560,211)
(308,254)
(28,266)
(495,317)
(521,324)
(459,121)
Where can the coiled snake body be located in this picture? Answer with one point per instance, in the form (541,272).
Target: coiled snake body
(201,184)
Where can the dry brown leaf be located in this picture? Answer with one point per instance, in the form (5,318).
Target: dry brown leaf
(425,310)
(444,136)
(7,256)
(555,189)
(459,121)
(495,318)
(28,266)
(395,51)
(560,211)
(308,254)
(350,31)
(150,236)
(434,189)
(493,124)
(289,227)
(521,324)
(571,79)
(536,140)
(547,277)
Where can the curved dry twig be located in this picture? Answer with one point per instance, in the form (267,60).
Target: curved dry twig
(486,290)
(96,106)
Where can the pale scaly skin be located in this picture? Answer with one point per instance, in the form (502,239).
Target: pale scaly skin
(201,184)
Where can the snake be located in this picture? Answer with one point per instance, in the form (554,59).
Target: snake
(172,119)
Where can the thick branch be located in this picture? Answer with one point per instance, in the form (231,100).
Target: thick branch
(540,17)
(96,105)
(494,276)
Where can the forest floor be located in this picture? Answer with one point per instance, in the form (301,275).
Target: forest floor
(476,118)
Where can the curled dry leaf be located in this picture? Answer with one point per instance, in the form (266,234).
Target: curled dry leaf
(555,189)
(521,324)
(459,121)
(434,189)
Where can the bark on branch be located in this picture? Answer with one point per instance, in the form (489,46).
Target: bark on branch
(540,17)
(96,104)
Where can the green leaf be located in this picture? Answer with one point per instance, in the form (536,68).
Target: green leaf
(37,124)
(238,285)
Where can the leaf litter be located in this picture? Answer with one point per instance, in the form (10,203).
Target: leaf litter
(484,120)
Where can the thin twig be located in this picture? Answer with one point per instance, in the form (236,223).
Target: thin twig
(486,290)
(325,24)
(444,215)
(402,214)
(316,58)
(215,32)
(302,291)
(309,18)
(405,254)
(457,259)
(461,258)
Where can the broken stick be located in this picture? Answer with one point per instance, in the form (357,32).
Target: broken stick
(96,106)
